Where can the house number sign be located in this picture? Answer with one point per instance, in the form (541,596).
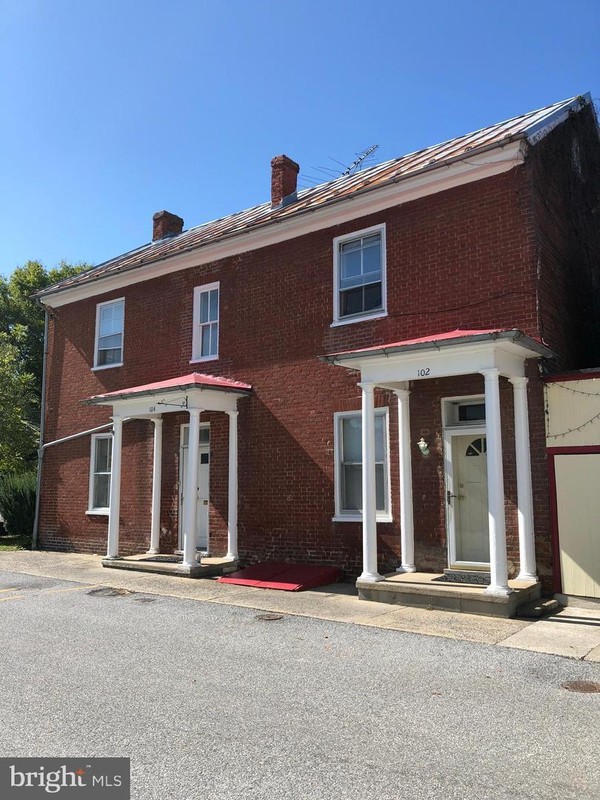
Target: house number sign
(423,372)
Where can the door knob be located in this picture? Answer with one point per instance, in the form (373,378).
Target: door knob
(449,496)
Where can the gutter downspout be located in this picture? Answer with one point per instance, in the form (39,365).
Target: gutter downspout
(36,519)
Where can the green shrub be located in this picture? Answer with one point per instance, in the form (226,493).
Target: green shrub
(17,503)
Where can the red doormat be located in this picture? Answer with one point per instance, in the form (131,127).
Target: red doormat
(287,577)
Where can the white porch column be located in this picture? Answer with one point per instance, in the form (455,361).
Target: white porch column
(369,498)
(232,506)
(156,486)
(115,489)
(190,533)
(495,479)
(527,568)
(407,528)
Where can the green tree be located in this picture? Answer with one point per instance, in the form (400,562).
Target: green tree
(21,360)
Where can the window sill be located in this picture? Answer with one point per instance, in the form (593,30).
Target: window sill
(366,318)
(107,366)
(358,518)
(97,512)
(202,360)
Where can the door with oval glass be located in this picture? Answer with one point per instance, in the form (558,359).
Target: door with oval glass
(467,499)
(202,491)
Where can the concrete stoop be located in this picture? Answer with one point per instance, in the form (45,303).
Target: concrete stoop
(205,568)
(421,590)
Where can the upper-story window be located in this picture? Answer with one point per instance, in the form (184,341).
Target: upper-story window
(359,275)
(110,319)
(205,341)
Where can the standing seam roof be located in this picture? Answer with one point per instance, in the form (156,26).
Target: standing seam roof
(327,193)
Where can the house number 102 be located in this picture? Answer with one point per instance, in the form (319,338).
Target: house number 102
(423,373)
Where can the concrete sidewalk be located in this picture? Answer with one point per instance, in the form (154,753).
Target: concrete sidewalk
(574,632)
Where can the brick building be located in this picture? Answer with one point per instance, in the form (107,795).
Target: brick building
(401,317)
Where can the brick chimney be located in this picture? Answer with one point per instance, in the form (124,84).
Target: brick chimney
(284,174)
(165,224)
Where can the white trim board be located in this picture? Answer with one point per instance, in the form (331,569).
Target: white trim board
(472,168)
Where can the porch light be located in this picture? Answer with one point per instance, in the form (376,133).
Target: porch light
(423,446)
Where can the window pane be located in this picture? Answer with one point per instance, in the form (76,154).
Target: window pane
(204,435)
(351,302)
(101,491)
(351,264)
(379,438)
(109,357)
(372,297)
(347,247)
(352,488)
(380,487)
(214,305)
(372,258)
(352,441)
(471,412)
(111,319)
(371,240)
(102,460)
(108,342)
(185,437)
(214,338)
(205,340)
(204,307)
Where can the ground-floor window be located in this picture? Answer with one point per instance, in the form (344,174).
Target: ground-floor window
(100,468)
(348,465)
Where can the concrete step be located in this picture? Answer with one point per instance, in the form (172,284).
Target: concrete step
(536,609)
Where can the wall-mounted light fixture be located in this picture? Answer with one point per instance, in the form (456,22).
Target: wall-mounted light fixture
(423,446)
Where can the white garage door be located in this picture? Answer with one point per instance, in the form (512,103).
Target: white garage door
(578,505)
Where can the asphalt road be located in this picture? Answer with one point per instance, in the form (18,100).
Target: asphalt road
(211,702)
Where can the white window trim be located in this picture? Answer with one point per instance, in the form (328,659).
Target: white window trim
(97,366)
(340,515)
(367,315)
(98,512)
(196,337)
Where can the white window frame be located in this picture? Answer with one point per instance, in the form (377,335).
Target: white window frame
(365,315)
(197,329)
(99,306)
(450,407)
(91,509)
(352,516)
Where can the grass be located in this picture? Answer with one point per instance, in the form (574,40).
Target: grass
(15,543)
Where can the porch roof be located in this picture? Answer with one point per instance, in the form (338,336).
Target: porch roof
(435,342)
(195,380)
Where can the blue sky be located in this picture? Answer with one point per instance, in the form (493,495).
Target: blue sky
(113,110)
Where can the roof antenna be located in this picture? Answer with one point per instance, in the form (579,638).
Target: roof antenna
(356,165)
(332,174)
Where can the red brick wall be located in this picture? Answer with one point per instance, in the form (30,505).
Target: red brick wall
(465,258)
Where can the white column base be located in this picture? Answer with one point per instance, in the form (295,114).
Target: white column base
(498,591)
(373,577)
(524,576)
(153,551)
(406,568)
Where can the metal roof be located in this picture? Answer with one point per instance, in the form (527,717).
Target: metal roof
(195,380)
(531,127)
(438,340)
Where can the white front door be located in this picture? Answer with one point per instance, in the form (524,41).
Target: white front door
(467,501)
(202,491)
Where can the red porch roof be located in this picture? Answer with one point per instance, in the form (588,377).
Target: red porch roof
(458,336)
(195,380)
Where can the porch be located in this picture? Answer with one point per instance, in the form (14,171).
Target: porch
(205,566)
(478,505)
(432,591)
(194,394)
